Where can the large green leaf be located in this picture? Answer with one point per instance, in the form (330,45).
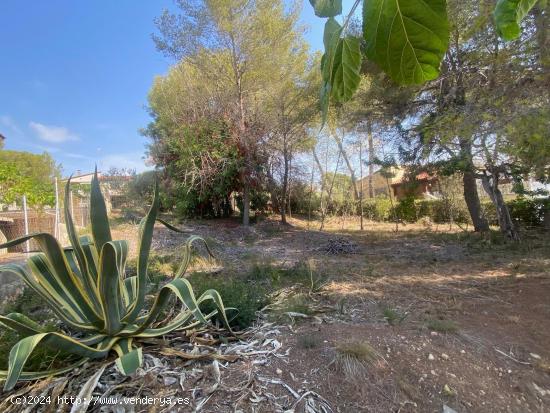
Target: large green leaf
(327,8)
(77,252)
(101,231)
(146,228)
(331,36)
(20,353)
(129,359)
(109,286)
(406,38)
(60,269)
(20,323)
(346,68)
(508,16)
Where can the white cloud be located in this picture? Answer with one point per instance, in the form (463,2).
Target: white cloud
(75,155)
(9,123)
(132,160)
(52,134)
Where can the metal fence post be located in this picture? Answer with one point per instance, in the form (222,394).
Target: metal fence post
(26,216)
(56,228)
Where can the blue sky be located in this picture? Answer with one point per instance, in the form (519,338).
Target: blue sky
(74,77)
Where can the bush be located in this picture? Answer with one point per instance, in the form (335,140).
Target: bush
(378,209)
(406,210)
(442,210)
(235,293)
(527,212)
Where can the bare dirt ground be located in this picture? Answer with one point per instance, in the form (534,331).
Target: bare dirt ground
(453,319)
(420,320)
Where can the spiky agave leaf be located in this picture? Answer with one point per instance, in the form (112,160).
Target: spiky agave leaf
(85,287)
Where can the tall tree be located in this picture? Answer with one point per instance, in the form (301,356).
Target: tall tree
(461,122)
(242,41)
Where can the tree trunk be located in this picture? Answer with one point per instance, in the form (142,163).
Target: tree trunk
(329,195)
(472,202)
(348,164)
(470,188)
(505,223)
(361,180)
(285,187)
(371,159)
(272,187)
(246,205)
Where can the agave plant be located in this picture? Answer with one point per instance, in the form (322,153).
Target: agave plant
(86,288)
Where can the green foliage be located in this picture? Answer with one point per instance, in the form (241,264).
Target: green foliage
(406,210)
(407,39)
(393,316)
(241,299)
(508,16)
(378,209)
(86,288)
(24,173)
(442,326)
(326,8)
(527,212)
(443,210)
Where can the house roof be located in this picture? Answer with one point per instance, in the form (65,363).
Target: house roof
(420,177)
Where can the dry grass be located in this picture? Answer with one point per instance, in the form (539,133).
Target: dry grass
(353,358)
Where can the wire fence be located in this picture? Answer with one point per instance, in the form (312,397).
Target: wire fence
(23,220)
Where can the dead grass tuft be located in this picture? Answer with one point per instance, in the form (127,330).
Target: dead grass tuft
(442,326)
(352,358)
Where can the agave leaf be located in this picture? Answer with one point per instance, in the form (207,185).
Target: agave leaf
(215,297)
(45,276)
(92,257)
(183,291)
(187,253)
(129,359)
(87,280)
(130,285)
(56,307)
(60,267)
(170,226)
(146,227)
(22,324)
(35,375)
(21,351)
(101,230)
(108,284)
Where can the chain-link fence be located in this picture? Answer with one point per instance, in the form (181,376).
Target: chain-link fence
(20,220)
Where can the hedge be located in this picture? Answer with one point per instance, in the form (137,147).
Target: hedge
(527,212)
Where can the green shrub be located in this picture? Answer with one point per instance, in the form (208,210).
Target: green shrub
(405,210)
(243,295)
(442,326)
(441,211)
(527,212)
(378,209)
